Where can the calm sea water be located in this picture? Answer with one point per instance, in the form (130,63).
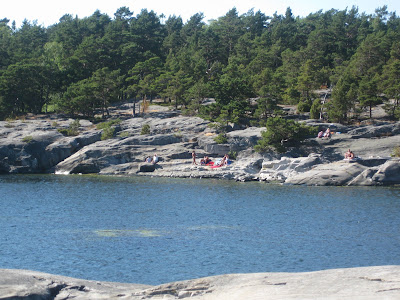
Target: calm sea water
(157,230)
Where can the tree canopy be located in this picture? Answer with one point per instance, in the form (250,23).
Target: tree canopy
(248,63)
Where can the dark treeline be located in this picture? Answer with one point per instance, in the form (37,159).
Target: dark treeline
(81,66)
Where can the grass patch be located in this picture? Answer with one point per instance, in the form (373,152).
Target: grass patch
(27,139)
(396,152)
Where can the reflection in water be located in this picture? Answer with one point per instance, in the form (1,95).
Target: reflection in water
(155,230)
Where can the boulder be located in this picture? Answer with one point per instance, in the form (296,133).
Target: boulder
(388,173)
(36,146)
(244,139)
(146,167)
(336,173)
(287,167)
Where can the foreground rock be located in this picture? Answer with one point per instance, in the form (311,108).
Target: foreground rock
(382,282)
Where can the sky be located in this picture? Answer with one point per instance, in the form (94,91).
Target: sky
(48,12)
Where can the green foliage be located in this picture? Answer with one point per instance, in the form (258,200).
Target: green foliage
(107,133)
(304,106)
(145,129)
(108,128)
(221,138)
(124,134)
(282,133)
(82,66)
(266,107)
(232,154)
(108,124)
(396,152)
(73,129)
(315,109)
(27,139)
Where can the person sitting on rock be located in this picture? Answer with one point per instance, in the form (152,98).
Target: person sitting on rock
(327,133)
(205,160)
(224,161)
(155,159)
(148,159)
(349,154)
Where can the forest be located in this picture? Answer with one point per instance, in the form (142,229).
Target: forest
(250,64)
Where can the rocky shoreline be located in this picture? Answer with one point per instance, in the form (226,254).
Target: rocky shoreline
(380,282)
(35,145)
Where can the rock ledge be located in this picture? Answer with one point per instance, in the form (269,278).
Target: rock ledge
(380,282)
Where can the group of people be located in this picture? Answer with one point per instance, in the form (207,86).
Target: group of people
(152,160)
(349,155)
(206,161)
(327,133)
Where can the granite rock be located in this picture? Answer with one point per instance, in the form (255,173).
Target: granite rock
(379,282)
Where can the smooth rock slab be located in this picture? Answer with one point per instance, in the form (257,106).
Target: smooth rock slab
(380,282)
(337,173)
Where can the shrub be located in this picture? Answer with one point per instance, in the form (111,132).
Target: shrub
(72,130)
(27,139)
(282,133)
(108,133)
(221,138)
(145,129)
(232,154)
(124,134)
(396,152)
(63,131)
(108,124)
(108,130)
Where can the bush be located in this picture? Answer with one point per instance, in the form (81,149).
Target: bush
(145,129)
(124,134)
(282,133)
(108,130)
(108,133)
(108,124)
(72,130)
(221,138)
(396,152)
(232,154)
(27,139)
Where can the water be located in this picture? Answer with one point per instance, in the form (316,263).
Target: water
(157,230)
